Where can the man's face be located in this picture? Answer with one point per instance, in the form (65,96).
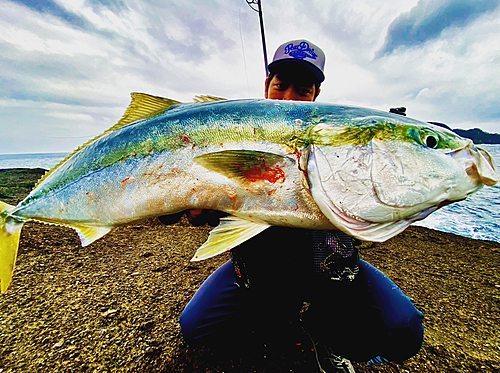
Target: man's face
(290,87)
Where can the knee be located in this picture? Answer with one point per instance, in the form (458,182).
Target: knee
(188,325)
(405,340)
(212,309)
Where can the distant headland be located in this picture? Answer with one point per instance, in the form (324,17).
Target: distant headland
(477,135)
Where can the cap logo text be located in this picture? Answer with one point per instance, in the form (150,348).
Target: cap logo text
(300,51)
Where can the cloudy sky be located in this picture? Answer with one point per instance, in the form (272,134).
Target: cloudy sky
(67,67)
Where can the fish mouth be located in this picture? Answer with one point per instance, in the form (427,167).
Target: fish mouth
(478,164)
(493,176)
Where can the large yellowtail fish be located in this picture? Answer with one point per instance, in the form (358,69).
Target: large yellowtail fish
(296,164)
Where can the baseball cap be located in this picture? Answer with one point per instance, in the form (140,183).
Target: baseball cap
(302,52)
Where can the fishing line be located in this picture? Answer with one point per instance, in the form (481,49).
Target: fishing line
(243,51)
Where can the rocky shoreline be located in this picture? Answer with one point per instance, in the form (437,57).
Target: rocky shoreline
(114,306)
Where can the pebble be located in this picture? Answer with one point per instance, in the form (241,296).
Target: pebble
(59,343)
(108,312)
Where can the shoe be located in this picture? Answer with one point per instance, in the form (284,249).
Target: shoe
(377,360)
(330,363)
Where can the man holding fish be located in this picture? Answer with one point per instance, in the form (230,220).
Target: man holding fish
(300,166)
(353,310)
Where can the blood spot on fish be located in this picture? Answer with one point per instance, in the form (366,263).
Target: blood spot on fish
(185,139)
(263,173)
(130,179)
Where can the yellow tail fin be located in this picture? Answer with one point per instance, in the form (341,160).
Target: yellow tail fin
(9,242)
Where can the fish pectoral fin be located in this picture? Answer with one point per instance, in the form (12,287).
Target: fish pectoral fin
(89,234)
(231,232)
(243,164)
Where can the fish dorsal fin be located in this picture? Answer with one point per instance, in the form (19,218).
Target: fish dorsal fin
(245,165)
(142,106)
(207,98)
(231,232)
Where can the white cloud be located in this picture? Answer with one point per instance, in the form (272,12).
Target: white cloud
(71,116)
(451,77)
(430,18)
(30,31)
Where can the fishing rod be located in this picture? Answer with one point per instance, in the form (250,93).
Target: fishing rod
(251,3)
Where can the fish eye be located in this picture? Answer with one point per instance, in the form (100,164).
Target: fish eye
(431,141)
(429,138)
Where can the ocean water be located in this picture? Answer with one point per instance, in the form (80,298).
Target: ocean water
(35,160)
(476,217)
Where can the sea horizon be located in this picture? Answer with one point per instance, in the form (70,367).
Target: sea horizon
(31,160)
